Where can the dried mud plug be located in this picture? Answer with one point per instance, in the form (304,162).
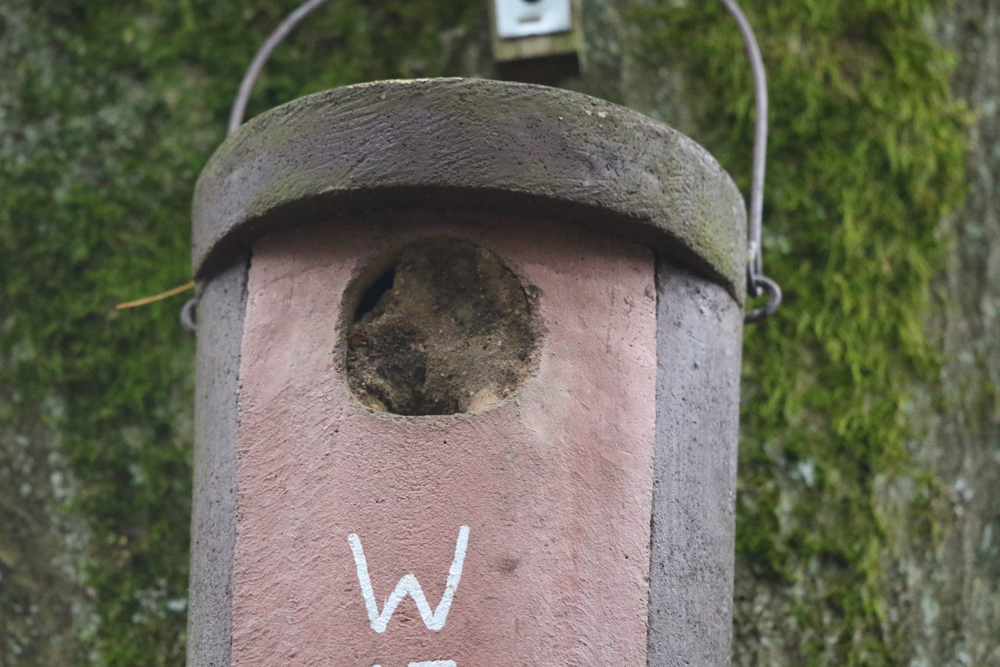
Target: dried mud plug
(445,329)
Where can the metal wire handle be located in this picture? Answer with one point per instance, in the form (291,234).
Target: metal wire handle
(757,282)
(257,64)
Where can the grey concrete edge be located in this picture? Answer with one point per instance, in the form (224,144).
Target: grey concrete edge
(474,144)
(213,522)
(699,350)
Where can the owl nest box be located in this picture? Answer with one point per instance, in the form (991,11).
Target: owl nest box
(467,384)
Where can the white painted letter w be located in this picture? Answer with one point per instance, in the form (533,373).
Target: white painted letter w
(433,620)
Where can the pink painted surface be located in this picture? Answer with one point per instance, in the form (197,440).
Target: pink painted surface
(554,484)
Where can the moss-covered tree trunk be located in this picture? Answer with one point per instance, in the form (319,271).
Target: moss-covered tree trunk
(944,592)
(869,510)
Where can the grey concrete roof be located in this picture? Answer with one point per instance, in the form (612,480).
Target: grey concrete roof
(472,143)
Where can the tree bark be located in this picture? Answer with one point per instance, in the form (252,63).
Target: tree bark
(945,593)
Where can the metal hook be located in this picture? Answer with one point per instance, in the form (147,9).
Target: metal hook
(761,284)
(189,315)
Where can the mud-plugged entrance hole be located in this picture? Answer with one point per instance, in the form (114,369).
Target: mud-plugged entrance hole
(447,328)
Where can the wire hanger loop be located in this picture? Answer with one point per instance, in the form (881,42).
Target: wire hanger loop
(757,282)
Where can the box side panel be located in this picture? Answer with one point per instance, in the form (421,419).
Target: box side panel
(699,344)
(213,525)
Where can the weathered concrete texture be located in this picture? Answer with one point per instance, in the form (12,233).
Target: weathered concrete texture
(477,144)
(699,346)
(946,583)
(554,483)
(447,328)
(213,523)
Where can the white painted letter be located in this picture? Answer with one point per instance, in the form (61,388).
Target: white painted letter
(433,620)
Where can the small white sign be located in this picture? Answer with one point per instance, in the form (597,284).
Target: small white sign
(525,18)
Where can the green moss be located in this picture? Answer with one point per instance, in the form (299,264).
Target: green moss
(866,153)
